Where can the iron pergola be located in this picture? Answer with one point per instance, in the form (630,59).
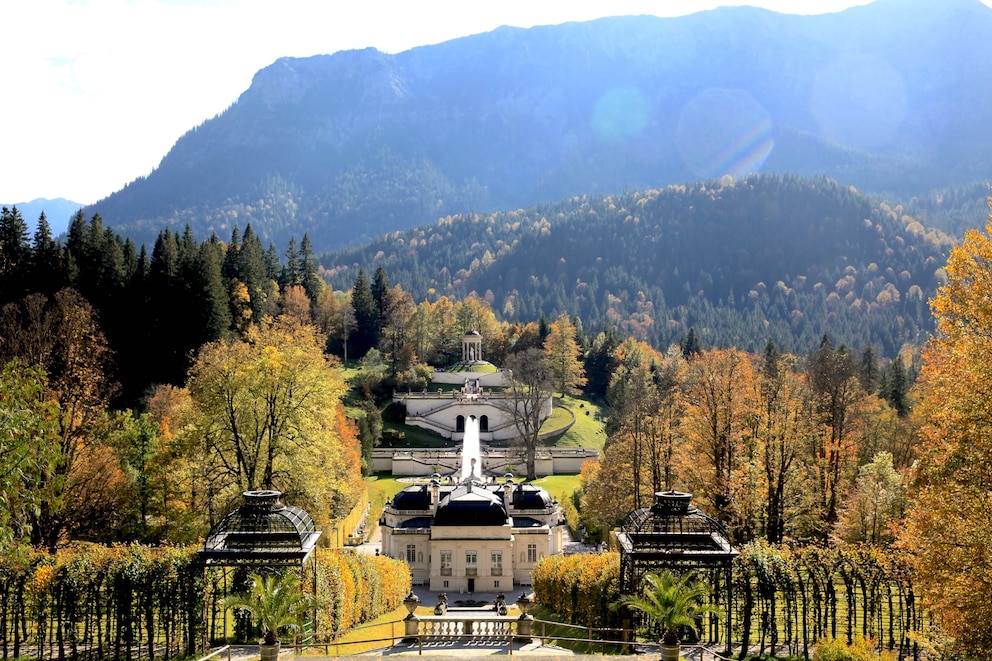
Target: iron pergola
(261,532)
(675,535)
(262,535)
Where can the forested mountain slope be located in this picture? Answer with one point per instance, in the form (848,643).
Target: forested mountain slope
(893,97)
(763,257)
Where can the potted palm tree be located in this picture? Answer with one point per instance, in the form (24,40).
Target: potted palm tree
(672,603)
(277,603)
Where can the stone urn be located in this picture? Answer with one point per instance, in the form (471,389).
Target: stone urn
(411,623)
(525,622)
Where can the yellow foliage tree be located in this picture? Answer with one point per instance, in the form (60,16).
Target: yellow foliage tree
(722,428)
(949,526)
(267,415)
(563,353)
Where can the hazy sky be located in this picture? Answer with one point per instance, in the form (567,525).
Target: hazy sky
(96,92)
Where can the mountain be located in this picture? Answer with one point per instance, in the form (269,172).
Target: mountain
(739,261)
(58,212)
(892,97)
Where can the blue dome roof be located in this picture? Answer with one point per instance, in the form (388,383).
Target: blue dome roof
(413,498)
(468,506)
(530,497)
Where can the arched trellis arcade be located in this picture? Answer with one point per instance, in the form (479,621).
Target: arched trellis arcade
(673,534)
(262,535)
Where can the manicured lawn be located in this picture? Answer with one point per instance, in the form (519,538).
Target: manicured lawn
(382,487)
(559,486)
(588,430)
(400,436)
(471,367)
(555,633)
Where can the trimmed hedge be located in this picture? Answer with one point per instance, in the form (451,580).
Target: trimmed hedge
(135,602)
(786,600)
(105,602)
(358,588)
(579,587)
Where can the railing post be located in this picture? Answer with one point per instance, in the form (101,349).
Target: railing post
(411,623)
(525,622)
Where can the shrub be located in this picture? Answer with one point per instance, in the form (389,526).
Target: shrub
(580,587)
(861,649)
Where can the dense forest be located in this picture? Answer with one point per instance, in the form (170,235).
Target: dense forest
(829,445)
(742,261)
(738,262)
(154,309)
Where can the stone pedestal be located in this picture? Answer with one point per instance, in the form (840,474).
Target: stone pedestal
(525,623)
(411,623)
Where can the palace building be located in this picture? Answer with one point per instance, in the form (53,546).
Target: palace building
(472,536)
(469,531)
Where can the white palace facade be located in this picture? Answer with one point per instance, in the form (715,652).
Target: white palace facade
(472,536)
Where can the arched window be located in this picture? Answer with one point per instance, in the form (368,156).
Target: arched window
(460,423)
(484,423)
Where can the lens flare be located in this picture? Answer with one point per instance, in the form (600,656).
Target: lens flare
(724,131)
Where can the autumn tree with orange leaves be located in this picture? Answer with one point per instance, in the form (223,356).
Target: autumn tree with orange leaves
(949,526)
(563,353)
(722,425)
(62,336)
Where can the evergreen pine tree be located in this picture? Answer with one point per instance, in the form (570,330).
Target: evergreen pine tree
(291,275)
(48,267)
(311,281)
(600,362)
(895,386)
(253,272)
(542,327)
(15,255)
(690,344)
(366,333)
(273,269)
(380,287)
(208,295)
(167,308)
(232,257)
(868,369)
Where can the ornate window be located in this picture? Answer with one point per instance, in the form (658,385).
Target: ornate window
(471,563)
(445,564)
(496,563)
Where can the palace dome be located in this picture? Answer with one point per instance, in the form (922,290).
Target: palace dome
(468,506)
(530,497)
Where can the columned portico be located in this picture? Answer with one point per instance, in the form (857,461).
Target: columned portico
(472,347)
